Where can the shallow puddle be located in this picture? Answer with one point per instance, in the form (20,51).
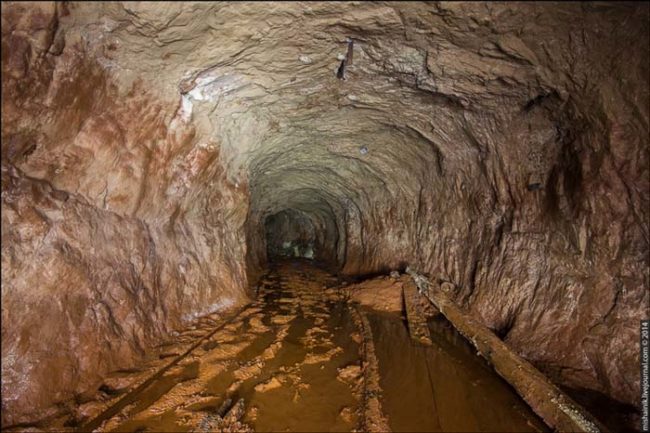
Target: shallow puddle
(444,387)
(292,361)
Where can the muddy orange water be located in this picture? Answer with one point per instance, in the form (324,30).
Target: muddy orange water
(292,361)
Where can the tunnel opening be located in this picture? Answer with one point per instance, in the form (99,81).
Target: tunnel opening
(303,233)
(290,234)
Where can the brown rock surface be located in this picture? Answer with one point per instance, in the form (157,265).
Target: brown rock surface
(102,253)
(382,294)
(501,148)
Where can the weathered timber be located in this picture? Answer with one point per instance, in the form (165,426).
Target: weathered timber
(373,418)
(415,316)
(556,408)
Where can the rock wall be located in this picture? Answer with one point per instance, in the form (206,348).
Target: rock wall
(109,240)
(499,147)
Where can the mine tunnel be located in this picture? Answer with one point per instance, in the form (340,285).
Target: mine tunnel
(325,216)
(291,233)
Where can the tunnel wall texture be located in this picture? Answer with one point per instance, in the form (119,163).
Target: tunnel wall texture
(500,147)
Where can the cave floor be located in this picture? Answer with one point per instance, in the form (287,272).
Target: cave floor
(292,361)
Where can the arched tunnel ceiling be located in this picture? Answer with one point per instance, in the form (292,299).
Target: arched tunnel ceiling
(263,85)
(256,80)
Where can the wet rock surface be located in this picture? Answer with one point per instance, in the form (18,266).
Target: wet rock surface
(278,360)
(381,294)
(502,149)
(293,361)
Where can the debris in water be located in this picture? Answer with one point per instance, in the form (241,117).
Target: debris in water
(350,374)
(272,383)
(231,422)
(347,414)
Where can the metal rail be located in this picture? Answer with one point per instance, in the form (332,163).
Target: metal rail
(131,395)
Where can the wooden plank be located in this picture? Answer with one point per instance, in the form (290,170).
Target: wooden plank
(556,408)
(373,419)
(415,315)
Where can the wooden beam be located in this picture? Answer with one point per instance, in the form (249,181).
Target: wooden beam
(415,316)
(556,408)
